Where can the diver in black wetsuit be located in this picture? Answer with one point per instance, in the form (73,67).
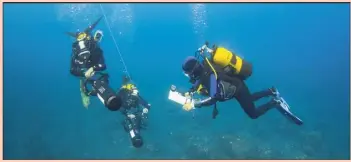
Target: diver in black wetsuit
(135,110)
(221,87)
(87,63)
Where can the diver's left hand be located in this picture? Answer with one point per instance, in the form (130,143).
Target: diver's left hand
(145,110)
(89,73)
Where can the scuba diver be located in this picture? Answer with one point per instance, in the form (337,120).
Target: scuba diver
(221,78)
(135,110)
(87,63)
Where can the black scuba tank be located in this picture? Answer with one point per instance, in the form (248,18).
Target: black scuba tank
(133,132)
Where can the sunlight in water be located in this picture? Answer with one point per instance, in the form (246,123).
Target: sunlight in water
(121,18)
(78,14)
(199,19)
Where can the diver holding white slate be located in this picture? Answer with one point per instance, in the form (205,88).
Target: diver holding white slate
(179,98)
(222,78)
(283,106)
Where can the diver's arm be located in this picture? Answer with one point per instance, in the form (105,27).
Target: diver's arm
(144,103)
(75,70)
(213,91)
(193,87)
(101,66)
(122,93)
(196,85)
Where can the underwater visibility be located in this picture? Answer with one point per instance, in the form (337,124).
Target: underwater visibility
(176,81)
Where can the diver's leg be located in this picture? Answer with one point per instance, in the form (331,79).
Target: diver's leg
(265,93)
(265,107)
(143,119)
(246,102)
(137,120)
(125,124)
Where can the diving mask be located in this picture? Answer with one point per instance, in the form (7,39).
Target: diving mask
(194,73)
(98,36)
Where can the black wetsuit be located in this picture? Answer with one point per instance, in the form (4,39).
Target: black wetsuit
(93,57)
(133,105)
(87,54)
(227,87)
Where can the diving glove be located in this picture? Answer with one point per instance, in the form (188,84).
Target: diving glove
(89,73)
(188,106)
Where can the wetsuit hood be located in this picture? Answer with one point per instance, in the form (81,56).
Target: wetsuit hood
(192,67)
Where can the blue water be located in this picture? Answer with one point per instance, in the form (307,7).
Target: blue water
(302,49)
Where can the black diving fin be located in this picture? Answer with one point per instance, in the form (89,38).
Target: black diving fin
(74,35)
(91,27)
(87,30)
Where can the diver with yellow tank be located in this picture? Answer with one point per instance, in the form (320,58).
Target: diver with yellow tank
(88,64)
(221,78)
(135,109)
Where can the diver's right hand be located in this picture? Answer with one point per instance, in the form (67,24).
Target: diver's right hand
(187,106)
(89,73)
(186,94)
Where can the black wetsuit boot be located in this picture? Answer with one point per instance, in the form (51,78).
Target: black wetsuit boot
(265,93)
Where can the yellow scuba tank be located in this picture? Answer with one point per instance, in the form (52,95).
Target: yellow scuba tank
(226,59)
